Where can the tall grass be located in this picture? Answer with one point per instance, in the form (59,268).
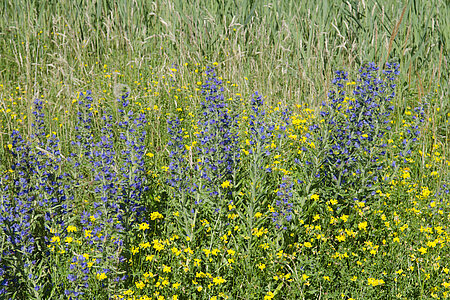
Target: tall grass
(44,41)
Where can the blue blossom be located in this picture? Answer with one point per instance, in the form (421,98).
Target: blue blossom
(354,125)
(218,139)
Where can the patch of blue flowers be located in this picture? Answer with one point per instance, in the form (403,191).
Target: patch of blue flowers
(354,129)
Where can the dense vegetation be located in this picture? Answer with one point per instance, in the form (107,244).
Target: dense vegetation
(216,150)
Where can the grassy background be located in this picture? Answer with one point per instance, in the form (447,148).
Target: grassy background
(284,49)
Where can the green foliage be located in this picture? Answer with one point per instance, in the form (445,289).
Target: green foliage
(282,223)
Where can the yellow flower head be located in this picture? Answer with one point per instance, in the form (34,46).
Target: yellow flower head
(143,226)
(100,276)
(156,215)
(71,228)
(226,184)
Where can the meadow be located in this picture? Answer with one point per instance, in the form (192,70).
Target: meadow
(224,150)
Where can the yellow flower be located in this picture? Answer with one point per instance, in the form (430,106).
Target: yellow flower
(55,239)
(307,244)
(100,276)
(167,269)
(344,218)
(143,226)
(149,154)
(422,250)
(269,296)
(140,285)
(176,285)
(156,215)
(218,280)
(226,184)
(68,239)
(261,266)
(71,228)
(146,274)
(157,245)
(375,282)
(362,225)
(315,197)
(87,233)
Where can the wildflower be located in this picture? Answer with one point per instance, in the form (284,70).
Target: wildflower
(71,228)
(100,276)
(269,296)
(143,226)
(315,197)
(422,250)
(176,285)
(374,282)
(157,245)
(226,184)
(218,280)
(55,239)
(128,292)
(362,225)
(231,252)
(356,126)
(156,215)
(167,269)
(261,266)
